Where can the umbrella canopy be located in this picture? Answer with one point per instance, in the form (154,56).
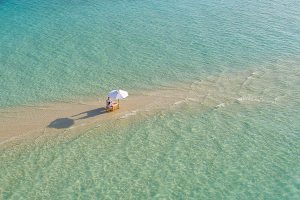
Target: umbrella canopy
(118,94)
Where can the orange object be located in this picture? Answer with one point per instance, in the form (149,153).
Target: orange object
(115,106)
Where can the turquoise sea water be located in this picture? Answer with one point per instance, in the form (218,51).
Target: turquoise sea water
(241,142)
(55,50)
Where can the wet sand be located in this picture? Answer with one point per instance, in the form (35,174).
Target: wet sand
(214,92)
(22,121)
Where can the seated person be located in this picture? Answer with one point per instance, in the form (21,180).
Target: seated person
(109,103)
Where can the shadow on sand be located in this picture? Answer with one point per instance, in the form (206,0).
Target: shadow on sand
(91,113)
(61,123)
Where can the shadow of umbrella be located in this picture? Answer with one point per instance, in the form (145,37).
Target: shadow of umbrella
(61,123)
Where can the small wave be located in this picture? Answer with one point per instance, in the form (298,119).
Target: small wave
(179,102)
(253,74)
(249,98)
(192,99)
(129,114)
(195,84)
(220,105)
(187,99)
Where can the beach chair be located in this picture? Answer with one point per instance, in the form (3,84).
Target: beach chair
(115,106)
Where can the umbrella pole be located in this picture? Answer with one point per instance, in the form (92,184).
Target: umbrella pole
(118,103)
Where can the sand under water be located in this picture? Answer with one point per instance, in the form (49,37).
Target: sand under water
(213,106)
(213,92)
(235,135)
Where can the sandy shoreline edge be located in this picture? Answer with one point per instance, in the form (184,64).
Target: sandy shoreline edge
(53,117)
(214,92)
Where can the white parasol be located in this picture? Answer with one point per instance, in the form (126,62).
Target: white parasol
(118,94)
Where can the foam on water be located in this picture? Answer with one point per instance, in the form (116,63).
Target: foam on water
(132,113)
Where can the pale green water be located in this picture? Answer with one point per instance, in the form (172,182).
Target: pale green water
(242,141)
(55,50)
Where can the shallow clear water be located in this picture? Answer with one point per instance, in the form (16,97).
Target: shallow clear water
(237,139)
(56,50)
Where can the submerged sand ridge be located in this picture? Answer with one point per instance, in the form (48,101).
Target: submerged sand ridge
(214,92)
(58,116)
